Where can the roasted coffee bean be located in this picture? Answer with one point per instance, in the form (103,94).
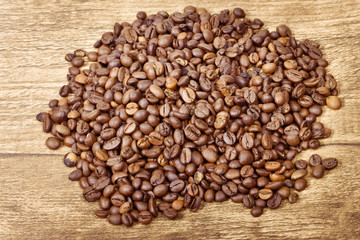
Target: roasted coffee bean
(274,201)
(333,102)
(330,163)
(257,211)
(318,171)
(248,201)
(145,217)
(114,219)
(70,159)
(75,175)
(53,143)
(315,160)
(300,184)
(91,194)
(102,213)
(300,164)
(170,213)
(180,108)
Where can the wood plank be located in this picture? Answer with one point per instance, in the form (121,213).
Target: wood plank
(37,200)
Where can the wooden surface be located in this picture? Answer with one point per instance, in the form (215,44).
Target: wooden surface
(37,201)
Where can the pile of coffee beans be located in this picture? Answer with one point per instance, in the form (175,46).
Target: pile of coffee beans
(178,109)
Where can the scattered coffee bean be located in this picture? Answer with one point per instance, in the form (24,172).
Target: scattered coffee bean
(330,163)
(53,143)
(333,102)
(315,160)
(318,171)
(177,109)
(70,159)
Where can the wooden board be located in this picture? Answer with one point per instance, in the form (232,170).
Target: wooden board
(38,202)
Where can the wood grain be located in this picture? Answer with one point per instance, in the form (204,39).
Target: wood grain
(38,202)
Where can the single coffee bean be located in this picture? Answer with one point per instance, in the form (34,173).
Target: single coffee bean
(318,171)
(75,175)
(91,194)
(299,174)
(70,159)
(274,201)
(333,102)
(145,217)
(293,198)
(300,164)
(195,204)
(265,194)
(257,211)
(114,219)
(102,213)
(330,163)
(53,143)
(248,201)
(315,160)
(177,205)
(170,213)
(300,184)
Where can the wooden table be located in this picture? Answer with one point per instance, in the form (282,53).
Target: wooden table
(37,201)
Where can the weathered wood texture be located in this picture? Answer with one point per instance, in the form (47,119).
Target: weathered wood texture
(38,202)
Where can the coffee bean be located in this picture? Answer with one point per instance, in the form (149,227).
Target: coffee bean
(187,94)
(274,201)
(300,184)
(102,213)
(177,185)
(176,109)
(170,213)
(127,219)
(330,163)
(333,102)
(248,201)
(209,154)
(53,143)
(114,219)
(75,175)
(300,164)
(91,194)
(145,217)
(293,198)
(315,160)
(70,159)
(257,211)
(220,196)
(299,174)
(265,194)
(318,171)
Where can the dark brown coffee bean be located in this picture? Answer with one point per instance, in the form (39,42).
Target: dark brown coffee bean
(257,211)
(293,198)
(248,201)
(102,213)
(301,164)
(75,175)
(274,201)
(330,163)
(300,184)
(114,219)
(91,194)
(315,160)
(145,217)
(318,171)
(170,213)
(209,195)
